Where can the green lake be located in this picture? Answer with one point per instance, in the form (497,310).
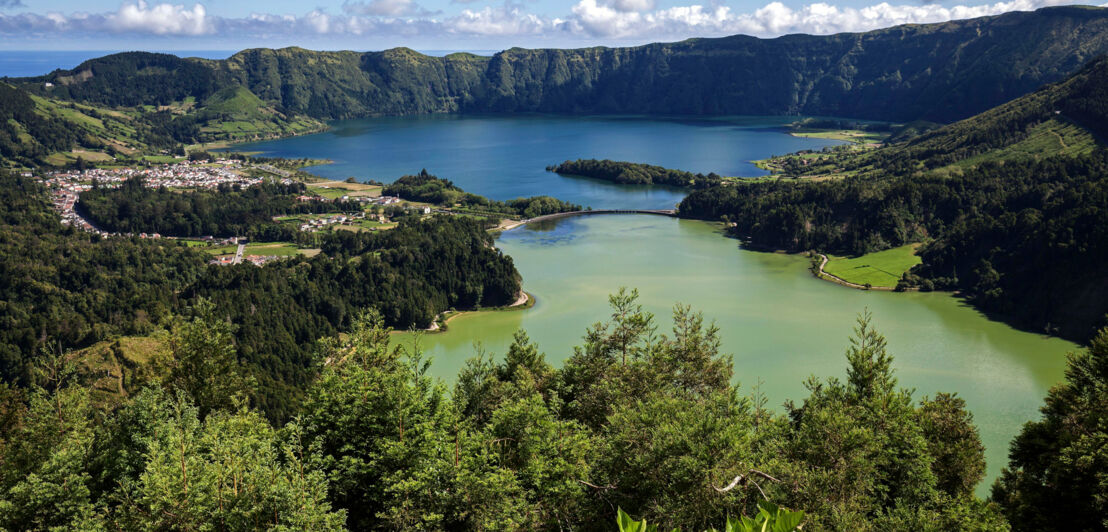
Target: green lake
(780,323)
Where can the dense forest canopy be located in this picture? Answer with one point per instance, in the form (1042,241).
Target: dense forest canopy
(74,288)
(626,173)
(649,423)
(225,211)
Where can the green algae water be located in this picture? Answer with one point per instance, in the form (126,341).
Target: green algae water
(780,323)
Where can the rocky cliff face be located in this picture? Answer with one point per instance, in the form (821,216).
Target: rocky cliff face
(940,72)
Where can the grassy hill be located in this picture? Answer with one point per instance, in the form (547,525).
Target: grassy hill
(114,369)
(236,114)
(38,130)
(41,129)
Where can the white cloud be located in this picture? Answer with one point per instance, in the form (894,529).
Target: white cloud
(589,21)
(318,21)
(631,5)
(161,19)
(775,18)
(388,8)
(131,18)
(506,20)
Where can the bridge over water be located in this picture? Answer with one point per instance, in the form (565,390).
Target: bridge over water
(659,212)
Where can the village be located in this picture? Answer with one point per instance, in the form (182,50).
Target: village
(65,187)
(201,173)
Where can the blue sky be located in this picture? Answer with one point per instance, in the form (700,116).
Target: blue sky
(448,24)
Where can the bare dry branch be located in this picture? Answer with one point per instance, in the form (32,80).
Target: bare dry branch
(763,475)
(756,485)
(730,486)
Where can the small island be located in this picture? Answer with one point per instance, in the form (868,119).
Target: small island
(628,173)
(426,188)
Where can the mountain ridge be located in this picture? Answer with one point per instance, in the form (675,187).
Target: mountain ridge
(941,72)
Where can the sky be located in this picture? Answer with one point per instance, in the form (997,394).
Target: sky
(475,25)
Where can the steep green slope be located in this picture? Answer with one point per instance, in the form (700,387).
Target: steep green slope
(939,72)
(36,130)
(43,129)
(1013,220)
(27,134)
(351,84)
(235,113)
(1065,118)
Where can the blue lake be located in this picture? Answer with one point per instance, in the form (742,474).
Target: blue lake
(506,157)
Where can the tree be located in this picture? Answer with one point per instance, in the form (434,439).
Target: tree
(671,459)
(953,442)
(483,385)
(377,425)
(861,448)
(590,384)
(870,371)
(44,483)
(203,362)
(549,457)
(1057,474)
(230,471)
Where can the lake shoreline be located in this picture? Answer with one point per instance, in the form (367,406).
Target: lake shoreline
(441,322)
(832,278)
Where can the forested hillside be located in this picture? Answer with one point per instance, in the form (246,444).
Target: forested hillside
(64,288)
(1065,118)
(24,133)
(50,129)
(1021,232)
(940,72)
(649,423)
